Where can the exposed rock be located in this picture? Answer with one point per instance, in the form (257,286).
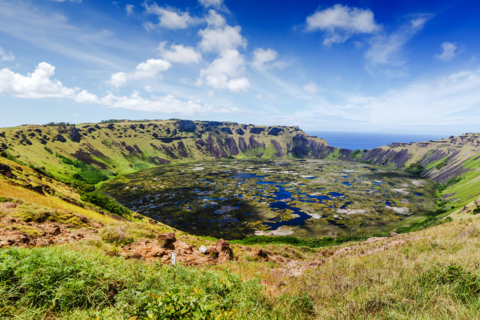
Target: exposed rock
(262,255)
(275,131)
(256,130)
(227,130)
(225,252)
(8,205)
(60,138)
(169,240)
(186,126)
(6,171)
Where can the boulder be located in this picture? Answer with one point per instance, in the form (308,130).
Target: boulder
(225,252)
(262,255)
(169,240)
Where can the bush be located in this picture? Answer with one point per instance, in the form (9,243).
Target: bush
(55,282)
(106,203)
(355,153)
(415,168)
(441,165)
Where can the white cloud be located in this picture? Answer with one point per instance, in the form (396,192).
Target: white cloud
(211,3)
(431,103)
(341,22)
(219,36)
(118,80)
(386,50)
(184,80)
(167,104)
(148,88)
(261,57)
(170,19)
(40,85)
(258,96)
(312,87)
(448,52)
(151,68)
(214,19)
(179,54)
(224,72)
(34,85)
(5,56)
(129,9)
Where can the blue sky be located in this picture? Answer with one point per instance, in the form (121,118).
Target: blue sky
(361,66)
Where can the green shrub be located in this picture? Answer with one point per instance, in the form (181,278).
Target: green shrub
(355,153)
(454,279)
(56,281)
(441,165)
(106,203)
(415,168)
(476,210)
(365,161)
(48,150)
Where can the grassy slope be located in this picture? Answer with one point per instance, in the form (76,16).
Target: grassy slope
(431,274)
(124,150)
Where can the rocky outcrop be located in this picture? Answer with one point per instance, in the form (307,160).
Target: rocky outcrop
(6,171)
(75,135)
(186,126)
(166,244)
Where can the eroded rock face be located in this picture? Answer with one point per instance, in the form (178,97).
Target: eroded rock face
(186,126)
(75,135)
(6,171)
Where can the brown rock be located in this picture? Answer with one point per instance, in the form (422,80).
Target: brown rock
(56,231)
(260,254)
(393,234)
(8,205)
(169,239)
(225,253)
(137,255)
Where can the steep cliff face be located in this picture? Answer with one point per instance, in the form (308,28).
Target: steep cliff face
(127,146)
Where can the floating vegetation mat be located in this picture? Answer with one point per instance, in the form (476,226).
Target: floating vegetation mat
(232,199)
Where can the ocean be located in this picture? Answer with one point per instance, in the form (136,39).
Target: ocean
(369,140)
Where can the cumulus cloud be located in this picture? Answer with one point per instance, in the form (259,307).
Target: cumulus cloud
(167,104)
(118,80)
(312,87)
(34,85)
(129,9)
(386,49)
(224,72)
(448,52)
(151,68)
(219,36)
(40,85)
(6,56)
(211,3)
(341,22)
(169,18)
(179,54)
(261,57)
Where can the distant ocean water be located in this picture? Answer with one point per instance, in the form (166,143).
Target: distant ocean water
(367,140)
